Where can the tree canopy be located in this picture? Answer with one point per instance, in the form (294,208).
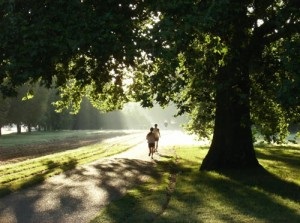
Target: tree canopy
(230,64)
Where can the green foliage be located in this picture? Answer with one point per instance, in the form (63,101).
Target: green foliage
(70,98)
(68,40)
(4,108)
(275,100)
(165,51)
(198,39)
(30,107)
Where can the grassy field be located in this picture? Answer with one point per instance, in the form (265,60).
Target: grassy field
(19,147)
(54,152)
(184,194)
(180,194)
(13,140)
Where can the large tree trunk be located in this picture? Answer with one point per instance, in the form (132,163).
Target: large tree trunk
(29,128)
(232,145)
(19,129)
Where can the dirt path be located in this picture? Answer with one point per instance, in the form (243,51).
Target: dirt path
(76,196)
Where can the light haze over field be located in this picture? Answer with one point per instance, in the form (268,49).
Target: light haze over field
(132,116)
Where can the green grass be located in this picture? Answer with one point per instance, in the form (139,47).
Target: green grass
(269,195)
(26,173)
(142,202)
(12,140)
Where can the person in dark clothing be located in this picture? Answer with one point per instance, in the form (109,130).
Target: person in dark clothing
(151,142)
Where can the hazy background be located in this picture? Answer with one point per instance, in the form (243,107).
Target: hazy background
(132,116)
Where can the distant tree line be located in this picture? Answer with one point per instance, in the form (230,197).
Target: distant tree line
(38,112)
(34,109)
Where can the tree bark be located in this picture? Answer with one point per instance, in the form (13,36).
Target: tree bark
(19,129)
(29,128)
(232,145)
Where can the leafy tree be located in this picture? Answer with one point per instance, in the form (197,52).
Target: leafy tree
(70,39)
(27,109)
(17,112)
(34,106)
(230,64)
(4,107)
(88,117)
(53,120)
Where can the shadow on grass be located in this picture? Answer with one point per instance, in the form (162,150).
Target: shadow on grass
(25,205)
(226,196)
(232,196)
(165,156)
(260,194)
(84,188)
(52,168)
(117,177)
(288,155)
(199,196)
(144,202)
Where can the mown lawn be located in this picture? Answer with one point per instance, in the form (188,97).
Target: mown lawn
(13,140)
(184,194)
(17,175)
(19,147)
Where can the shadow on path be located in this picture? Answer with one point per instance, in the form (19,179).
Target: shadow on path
(77,195)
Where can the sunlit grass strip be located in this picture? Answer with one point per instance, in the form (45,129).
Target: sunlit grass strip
(270,195)
(236,195)
(19,175)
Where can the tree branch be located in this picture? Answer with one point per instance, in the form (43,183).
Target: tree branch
(285,32)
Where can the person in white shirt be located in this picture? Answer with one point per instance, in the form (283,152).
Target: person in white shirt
(157,136)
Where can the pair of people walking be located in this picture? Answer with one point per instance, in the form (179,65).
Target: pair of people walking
(153,138)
